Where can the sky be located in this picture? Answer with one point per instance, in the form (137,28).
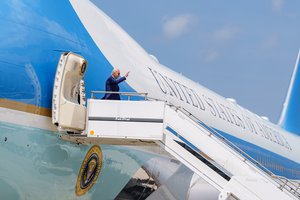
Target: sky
(244,50)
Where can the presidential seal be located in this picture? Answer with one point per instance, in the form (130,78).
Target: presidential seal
(89,171)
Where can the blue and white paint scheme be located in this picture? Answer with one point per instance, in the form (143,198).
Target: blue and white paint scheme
(36,164)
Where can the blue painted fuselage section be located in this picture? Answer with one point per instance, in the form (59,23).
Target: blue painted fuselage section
(32,38)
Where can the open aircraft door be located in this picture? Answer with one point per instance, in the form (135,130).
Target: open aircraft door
(68,101)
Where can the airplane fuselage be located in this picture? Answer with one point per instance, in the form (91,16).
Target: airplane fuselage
(33,36)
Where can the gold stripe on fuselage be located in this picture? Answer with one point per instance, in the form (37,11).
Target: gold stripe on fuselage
(15,105)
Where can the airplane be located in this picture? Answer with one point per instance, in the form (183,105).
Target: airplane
(37,164)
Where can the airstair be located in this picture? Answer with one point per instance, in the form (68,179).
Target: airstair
(152,122)
(141,122)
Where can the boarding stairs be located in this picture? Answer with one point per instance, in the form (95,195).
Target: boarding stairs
(146,121)
(196,145)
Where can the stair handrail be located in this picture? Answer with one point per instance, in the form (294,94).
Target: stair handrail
(277,178)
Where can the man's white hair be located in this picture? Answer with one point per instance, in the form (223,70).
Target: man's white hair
(115,70)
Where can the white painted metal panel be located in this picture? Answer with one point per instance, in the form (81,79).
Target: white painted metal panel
(125,119)
(126,130)
(133,109)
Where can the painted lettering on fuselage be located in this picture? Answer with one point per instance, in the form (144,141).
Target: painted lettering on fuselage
(233,115)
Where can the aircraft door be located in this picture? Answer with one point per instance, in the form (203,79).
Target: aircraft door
(68,101)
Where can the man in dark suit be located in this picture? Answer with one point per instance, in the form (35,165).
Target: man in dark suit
(111,84)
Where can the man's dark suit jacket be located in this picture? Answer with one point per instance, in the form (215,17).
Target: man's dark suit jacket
(111,84)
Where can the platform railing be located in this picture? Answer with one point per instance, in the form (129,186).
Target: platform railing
(129,95)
